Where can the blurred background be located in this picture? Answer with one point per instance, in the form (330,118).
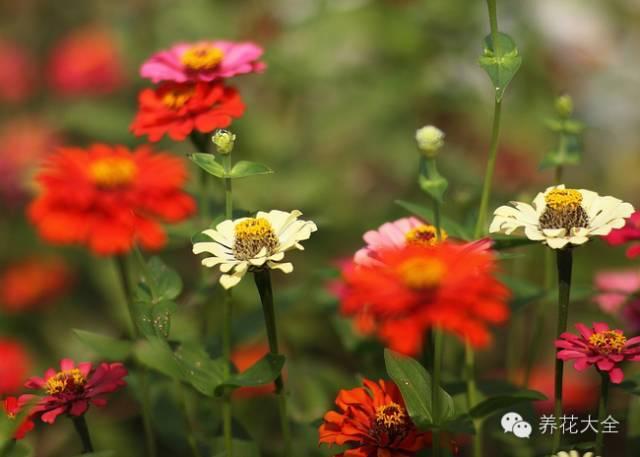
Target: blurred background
(348,82)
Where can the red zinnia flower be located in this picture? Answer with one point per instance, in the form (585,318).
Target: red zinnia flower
(32,282)
(17,73)
(14,366)
(414,288)
(178,109)
(12,409)
(601,347)
(374,421)
(109,198)
(629,233)
(71,390)
(243,357)
(86,61)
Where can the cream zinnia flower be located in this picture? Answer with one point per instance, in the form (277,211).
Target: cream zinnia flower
(562,216)
(250,243)
(572,454)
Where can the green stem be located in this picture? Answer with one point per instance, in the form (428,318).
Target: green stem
(438,338)
(565,266)
(125,285)
(150,438)
(191,439)
(602,413)
(263,283)
(80,425)
(228,195)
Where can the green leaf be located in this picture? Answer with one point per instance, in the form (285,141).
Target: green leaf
(503,242)
(105,346)
(241,448)
(208,163)
(494,404)
(156,354)
(263,372)
(453,228)
(167,283)
(523,292)
(435,187)
(415,385)
(500,65)
(244,168)
(155,318)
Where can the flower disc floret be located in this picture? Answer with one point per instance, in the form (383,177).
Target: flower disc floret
(67,381)
(113,171)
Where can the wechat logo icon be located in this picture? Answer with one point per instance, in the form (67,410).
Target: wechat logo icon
(514,423)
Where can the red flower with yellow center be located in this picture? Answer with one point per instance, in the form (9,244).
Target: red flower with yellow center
(374,422)
(108,198)
(177,109)
(12,408)
(416,287)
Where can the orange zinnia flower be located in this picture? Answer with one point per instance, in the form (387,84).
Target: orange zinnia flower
(374,421)
(179,109)
(415,287)
(109,198)
(32,283)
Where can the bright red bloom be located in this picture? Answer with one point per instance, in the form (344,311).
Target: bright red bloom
(416,287)
(14,366)
(373,420)
(109,198)
(73,388)
(32,283)
(178,109)
(17,73)
(86,61)
(629,233)
(12,409)
(601,347)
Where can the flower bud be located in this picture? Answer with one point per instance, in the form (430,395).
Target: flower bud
(429,139)
(224,140)
(564,106)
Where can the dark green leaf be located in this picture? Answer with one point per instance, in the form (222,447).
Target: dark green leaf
(166,282)
(105,346)
(453,228)
(501,64)
(503,242)
(155,318)
(208,163)
(264,371)
(244,168)
(156,354)
(523,292)
(494,404)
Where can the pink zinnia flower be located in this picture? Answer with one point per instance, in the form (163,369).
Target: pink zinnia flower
(203,61)
(17,73)
(629,233)
(616,288)
(599,346)
(73,388)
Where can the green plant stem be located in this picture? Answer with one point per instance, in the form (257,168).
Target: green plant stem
(438,338)
(493,21)
(150,438)
(602,413)
(564,259)
(263,283)
(191,439)
(80,425)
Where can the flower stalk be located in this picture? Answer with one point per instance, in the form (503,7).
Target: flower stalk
(564,260)
(602,413)
(438,339)
(80,424)
(263,283)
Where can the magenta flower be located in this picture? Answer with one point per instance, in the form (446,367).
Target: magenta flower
(629,233)
(72,389)
(616,288)
(203,61)
(599,346)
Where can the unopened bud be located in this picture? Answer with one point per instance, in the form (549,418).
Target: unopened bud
(564,106)
(430,139)
(224,140)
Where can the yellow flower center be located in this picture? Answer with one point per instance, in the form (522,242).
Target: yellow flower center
(252,236)
(202,57)
(563,199)
(391,415)
(608,341)
(65,381)
(177,96)
(113,172)
(422,273)
(424,235)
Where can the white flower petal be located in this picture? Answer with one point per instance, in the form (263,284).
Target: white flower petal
(229,281)
(284,267)
(557,243)
(554,233)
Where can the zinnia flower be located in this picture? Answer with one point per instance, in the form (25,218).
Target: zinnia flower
(14,365)
(249,243)
(179,109)
(17,73)
(31,283)
(12,409)
(601,347)
(245,356)
(572,454)
(629,233)
(374,422)
(108,198)
(414,288)
(72,389)
(86,61)
(561,217)
(203,61)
